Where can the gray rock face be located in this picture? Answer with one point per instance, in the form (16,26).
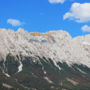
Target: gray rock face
(57,45)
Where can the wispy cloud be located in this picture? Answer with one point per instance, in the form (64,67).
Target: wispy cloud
(14,22)
(79,12)
(56,1)
(86,28)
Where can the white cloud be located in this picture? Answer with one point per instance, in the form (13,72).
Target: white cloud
(14,22)
(79,12)
(86,28)
(56,1)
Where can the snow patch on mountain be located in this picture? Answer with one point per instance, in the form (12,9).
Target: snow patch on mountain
(72,81)
(7,75)
(20,66)
(46,78)
(81,71)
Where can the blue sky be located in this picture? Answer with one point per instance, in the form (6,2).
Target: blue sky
(46,15)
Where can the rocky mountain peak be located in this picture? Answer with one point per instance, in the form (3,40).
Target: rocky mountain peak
(57,45)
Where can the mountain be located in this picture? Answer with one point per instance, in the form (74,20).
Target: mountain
(44,61)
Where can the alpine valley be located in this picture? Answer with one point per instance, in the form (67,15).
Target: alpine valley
(44,61)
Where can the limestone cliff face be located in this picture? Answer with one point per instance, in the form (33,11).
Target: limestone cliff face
(57,45)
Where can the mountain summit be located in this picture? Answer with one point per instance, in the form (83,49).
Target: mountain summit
(53,59)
